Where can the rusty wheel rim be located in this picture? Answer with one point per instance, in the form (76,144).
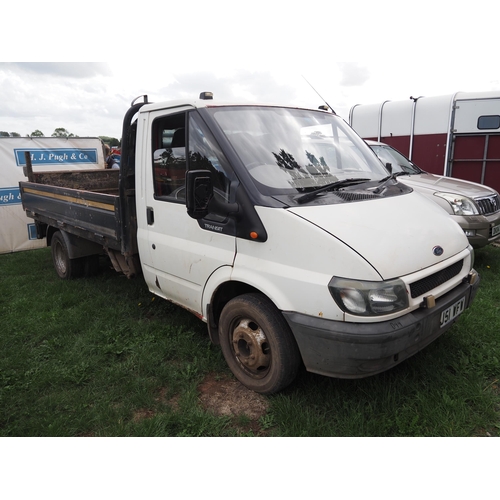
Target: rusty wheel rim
(251,347)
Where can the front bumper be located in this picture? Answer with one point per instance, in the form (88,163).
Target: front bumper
(357,350)
(484,227)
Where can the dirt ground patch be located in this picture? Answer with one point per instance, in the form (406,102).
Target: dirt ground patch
(227,397)
(222,396)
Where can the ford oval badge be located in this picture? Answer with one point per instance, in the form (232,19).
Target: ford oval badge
(438,251)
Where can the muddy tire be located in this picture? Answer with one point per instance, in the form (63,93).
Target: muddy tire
(65,267)
(258,344)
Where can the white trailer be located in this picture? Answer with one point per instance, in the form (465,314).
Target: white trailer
(17,232)
(455,135)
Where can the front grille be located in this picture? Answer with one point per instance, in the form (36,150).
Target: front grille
(488,205)
(434,280)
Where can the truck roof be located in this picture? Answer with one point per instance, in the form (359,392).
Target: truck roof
(208,103)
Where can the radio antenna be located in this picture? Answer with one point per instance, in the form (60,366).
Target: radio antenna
(324,100)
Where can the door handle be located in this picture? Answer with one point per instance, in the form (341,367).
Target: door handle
(150,216)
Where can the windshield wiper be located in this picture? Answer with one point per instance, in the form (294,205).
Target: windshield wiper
(333,185)
(393,176)
(385,180)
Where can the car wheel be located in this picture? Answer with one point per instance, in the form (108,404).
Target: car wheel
(258,344)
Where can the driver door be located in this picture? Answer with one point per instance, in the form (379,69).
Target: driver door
(180,255)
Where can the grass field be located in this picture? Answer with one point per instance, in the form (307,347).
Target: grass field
(102,357)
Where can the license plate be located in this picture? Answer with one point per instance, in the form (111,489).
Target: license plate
(495,230)
(452,312)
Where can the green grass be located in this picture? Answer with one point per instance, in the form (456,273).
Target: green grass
(101,356)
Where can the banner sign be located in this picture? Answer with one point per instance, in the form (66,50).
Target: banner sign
(10,196)
(56,156)
(17,231)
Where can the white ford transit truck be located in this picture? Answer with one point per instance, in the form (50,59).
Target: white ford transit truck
(276,226)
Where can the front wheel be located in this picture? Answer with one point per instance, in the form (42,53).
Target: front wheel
(258,344)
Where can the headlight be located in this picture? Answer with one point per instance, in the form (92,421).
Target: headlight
(461,205)
(369,298)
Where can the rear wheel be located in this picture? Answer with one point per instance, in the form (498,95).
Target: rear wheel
(65,267)
(258,344)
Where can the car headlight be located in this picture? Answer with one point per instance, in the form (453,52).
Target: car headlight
(461,205)
(369,298)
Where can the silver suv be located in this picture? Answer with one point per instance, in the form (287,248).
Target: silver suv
(475,207)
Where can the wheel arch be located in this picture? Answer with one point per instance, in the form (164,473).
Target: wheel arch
(50,231)
(221,296)
(77,247)
(223,285)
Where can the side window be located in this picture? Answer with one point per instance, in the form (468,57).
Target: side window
(488,122)
(169,157)
(205,154)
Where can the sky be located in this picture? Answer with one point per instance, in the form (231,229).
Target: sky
(80,69)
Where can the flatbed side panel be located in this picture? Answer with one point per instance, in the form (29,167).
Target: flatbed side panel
(96,213)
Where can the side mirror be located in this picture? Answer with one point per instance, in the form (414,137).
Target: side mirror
(199,192)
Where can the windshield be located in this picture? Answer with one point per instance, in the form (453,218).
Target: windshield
(399,162)
(289,151)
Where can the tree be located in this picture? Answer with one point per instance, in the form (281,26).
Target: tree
(111,141)
(37,133)
(62,132)
(4,134)
(15,134)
